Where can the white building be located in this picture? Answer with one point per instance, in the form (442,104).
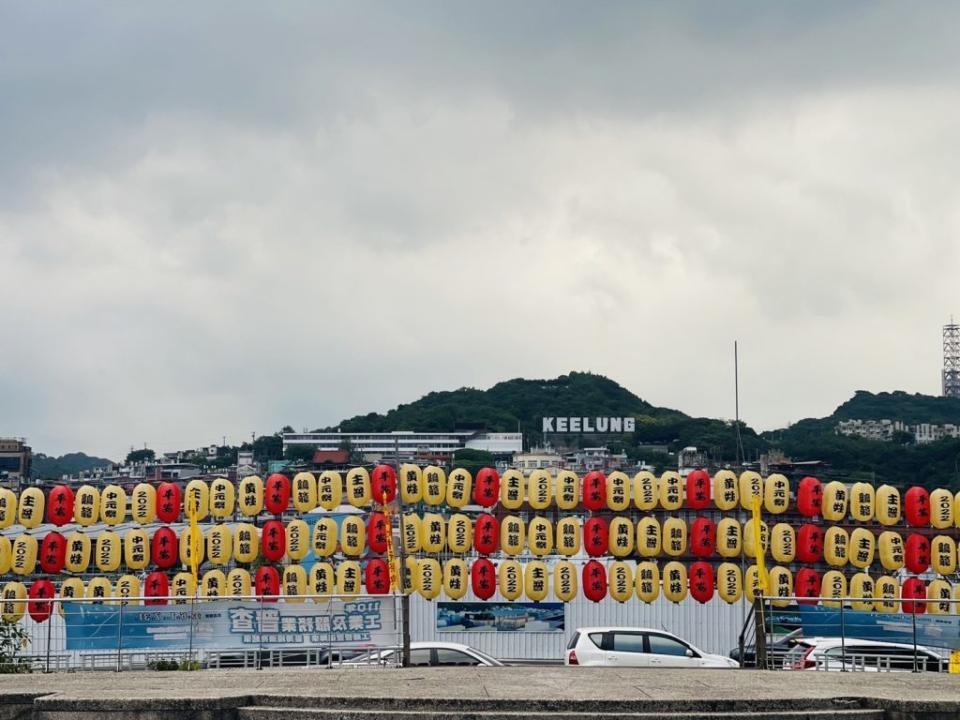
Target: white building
(408,443)
(544,458)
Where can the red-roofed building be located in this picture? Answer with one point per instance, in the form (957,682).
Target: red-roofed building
(331,458)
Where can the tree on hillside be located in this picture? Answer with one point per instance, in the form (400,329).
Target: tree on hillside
(139,456)
(302,453)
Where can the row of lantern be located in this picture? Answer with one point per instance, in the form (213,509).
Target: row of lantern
(486,535)
(621,581)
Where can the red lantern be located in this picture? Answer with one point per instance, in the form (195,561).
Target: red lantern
(486,533)
(809,497)
(60,506)
(53,552)
(156,585)
(266,582)
(377,577)
(164,548)
(486,488)
(594,581)
(698,489)
(377,532)
(168,502)
(595,536)
(273,540)
(594,490)
(807,585)
(916,553)
(41,596)
(913,589)
(276,493)
(916,507)
(703,537)
(383,481)
(483,578)
(809,544)
(701,581)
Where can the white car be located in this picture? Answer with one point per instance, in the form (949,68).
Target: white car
(820,653)
(433,654)
(637,647)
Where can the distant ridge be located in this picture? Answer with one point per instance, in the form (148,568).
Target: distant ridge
(45,466)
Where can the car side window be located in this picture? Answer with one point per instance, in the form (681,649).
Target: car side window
(420,657)
(663,645)
(628,642)
(573,641)
(596,639)
(446,656)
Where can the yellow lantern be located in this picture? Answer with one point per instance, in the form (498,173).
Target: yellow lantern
(750,486)
(108,551)
(294,583)
(776,494)
(833,585)
(568,490)
(647,581)
(128,586)
(100,589)
(512,534)
(8,507)
(956,509)
(565,584)
(30,507)
(540,490)
(411,533)
(535,580)
(78,552)
(359,493)
(246,543)
(568,536)
(781,586)
(298,540)
(25,549)
(512,492)
(86,505)
(434,485)
(143,504)
(459,533)
(943,554)
(750,542)
(6,554)
(113,505)
(729,538)
(891,550)
(674,581)
(434,533)
(620,580)
(645,492)
(325,537)
(886,592)
(540,536)
(510,579)
(329,490)
(353,536)
(648,537)
(862,548)
(939,590)
(783,543)
(348,578)
(861,590)
(618,491)
(862,501)
(411,483)
(670,490)
(455,578)
(751,584)
(183,587)
(941,509)
(729,583)
(238,582)
(14,602)
(726,490)
(250,495)
(71,589)
(429,578)
(887,505)
(409,576)
(213,584)
(304,492)
(459,484)
(674,537)
(136,549)
(219,545)
(835,498)
(222,498)
(835,546)
(196,498)
(322,581)
(620,537)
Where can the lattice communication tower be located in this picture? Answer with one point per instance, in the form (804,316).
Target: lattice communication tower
(951,360)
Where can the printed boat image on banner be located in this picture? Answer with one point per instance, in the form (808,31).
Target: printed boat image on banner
(499,617)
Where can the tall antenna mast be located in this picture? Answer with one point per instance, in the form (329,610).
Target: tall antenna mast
(736,400)
(951,359)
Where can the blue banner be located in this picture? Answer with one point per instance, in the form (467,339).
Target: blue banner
(932,630)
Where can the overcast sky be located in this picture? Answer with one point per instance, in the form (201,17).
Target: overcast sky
(219,218)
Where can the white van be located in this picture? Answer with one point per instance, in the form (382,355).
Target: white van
(637,647)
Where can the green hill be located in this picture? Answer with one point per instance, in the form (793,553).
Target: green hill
(911,409)
(52,468)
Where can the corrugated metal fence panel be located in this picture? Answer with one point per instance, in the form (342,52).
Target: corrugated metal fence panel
(713,627)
